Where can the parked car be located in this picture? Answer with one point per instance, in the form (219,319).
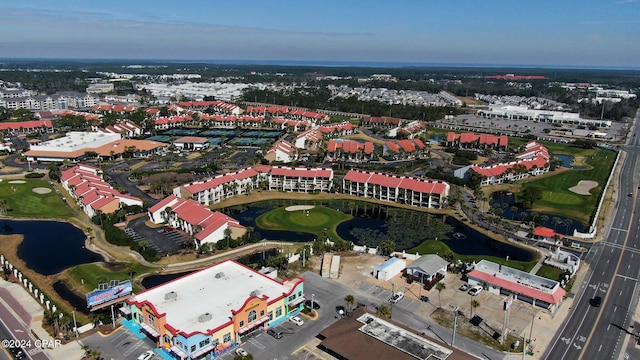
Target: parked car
(315,304)
(277,334)
(396,297)
(296,320)
(17,353)
(241,352)
(464,287)
(424,298)
(146,355)
(340,310)
(475,290)
(596,301)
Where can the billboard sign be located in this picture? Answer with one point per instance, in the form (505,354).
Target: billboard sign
(99,296)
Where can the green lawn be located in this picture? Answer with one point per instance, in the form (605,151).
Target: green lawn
(88,276)
(438,247)
(23,202)
(557,199)
(550,272)
(320,219)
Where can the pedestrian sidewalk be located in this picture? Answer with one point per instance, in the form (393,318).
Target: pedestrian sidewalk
(68,351)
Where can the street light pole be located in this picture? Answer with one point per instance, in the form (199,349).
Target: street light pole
(113,318)
(312,301)
(455,324)
(75,325)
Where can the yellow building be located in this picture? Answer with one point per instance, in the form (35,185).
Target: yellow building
(204,314)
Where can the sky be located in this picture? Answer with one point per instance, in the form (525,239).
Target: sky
(574,33)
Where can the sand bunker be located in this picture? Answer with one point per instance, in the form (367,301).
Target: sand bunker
(16,182)
(299,207)
(41,190)
(583,187)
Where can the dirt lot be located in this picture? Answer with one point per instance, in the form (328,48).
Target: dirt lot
(356,269)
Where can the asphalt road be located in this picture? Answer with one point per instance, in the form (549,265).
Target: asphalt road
(14,328)
(599,332)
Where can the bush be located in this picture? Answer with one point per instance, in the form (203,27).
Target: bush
(34,175)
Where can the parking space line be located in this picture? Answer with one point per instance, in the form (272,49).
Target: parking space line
(256,343)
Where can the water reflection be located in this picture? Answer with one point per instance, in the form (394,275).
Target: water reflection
(49,247)
(506,200)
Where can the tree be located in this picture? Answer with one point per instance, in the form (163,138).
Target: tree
(568,223)
(349,300)
(440,286)
(387,247)
(474,304)
(529,195)
(242,357)
(384,311)
(555,221)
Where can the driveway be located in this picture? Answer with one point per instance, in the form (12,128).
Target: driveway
(164,242)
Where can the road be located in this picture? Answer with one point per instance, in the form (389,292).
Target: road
(599,332)
(13,328)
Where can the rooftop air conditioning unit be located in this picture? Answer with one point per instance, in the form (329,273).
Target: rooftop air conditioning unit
(172,295)
(219,275)
(205,317)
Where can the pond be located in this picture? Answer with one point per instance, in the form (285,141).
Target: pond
(567,160)
(156,280)
(505,200)
(472,243)
(78,302)
(49,247)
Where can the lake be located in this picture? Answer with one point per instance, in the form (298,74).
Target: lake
(49,247)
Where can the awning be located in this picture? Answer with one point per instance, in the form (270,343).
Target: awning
(202,351)
(149,330)
(181,354)
(297,301)
(253,325)
(125,311)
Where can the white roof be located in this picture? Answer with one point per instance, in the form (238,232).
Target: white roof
(215,290)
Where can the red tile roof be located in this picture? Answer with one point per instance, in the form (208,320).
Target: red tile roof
(552,298)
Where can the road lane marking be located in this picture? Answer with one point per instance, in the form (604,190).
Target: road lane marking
(626,277)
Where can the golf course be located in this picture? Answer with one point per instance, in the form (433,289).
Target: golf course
(306,219)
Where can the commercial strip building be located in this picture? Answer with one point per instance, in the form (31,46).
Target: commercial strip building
(198,221)
(394,188)
(76,146)
(206,313)
(85,184)
(519,112)
(503,280)
(362,335)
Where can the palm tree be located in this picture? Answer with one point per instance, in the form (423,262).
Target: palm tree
(474,304)
(384,311)
(555,221)
(544,219)
(349,300)
(440,286)
(568,223)
(513,209)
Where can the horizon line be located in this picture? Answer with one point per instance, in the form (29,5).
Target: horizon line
(332,63)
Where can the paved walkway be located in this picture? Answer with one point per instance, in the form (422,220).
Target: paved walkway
(31,313)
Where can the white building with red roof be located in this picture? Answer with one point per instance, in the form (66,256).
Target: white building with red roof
(532,161)
(213,190)
(25,127)
(477,141)
(350,150)
(85,184)
(503,280)
(127,128)
(300,179)
(195,219)
(381,122)
(394,188)
(282,151)
(412,129)
(309,139)
(194,143)
(403,149)
(219,107)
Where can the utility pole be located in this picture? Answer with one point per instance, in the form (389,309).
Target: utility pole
(455,324)
(303,254)
(75,325)
(113,318)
